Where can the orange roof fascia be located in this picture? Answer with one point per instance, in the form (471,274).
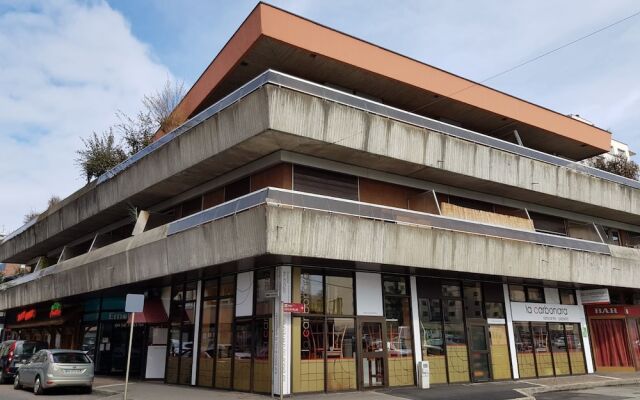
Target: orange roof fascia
(266,20)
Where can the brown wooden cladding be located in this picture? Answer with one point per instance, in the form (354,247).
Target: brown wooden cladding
(386,194)
(213,198)
(278,176)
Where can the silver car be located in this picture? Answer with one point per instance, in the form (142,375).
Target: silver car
(55,368)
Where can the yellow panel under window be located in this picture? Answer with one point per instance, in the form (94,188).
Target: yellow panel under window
(458,363)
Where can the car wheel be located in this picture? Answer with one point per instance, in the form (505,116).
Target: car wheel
(37,387)
(3,379)
(87,390)
(16,382)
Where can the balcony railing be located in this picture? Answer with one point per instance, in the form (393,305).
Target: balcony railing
(334,205)
(314,89)
(308,201)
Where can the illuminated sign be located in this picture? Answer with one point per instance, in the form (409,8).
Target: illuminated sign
(26,315)
(56,310)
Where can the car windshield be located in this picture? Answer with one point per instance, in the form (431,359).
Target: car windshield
(29,348)
(70,358)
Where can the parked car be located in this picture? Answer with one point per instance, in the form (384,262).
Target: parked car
(55,368)
(14,353)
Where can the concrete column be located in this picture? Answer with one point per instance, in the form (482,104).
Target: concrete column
(417,329)
(282,335)
(512,339)
(196,335)
(586,343)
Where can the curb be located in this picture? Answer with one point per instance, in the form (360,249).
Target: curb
(530,392)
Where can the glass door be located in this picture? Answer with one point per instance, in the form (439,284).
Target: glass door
(479,352)
(373,355)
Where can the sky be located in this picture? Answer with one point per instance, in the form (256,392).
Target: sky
(66,67)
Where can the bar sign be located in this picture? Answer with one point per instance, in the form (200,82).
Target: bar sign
(293,307)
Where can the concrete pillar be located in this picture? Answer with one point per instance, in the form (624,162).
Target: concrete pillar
(512,339)
(282,335)
(417,329)
(586,343)
(196,335)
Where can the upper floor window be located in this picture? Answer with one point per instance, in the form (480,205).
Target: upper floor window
(326,183)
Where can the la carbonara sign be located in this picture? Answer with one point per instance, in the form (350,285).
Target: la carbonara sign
(540,312)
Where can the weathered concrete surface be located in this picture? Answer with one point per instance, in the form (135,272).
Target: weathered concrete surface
(209,150)
(274,118)
(307,233)
(396,147)
(146,256)
(285,231)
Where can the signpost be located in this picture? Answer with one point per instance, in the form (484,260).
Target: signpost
(134,304)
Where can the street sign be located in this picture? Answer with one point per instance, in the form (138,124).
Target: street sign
(135,303)
(293,307)
(271,294)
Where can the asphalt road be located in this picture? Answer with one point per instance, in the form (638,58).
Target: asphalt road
(8,393)
(602,393)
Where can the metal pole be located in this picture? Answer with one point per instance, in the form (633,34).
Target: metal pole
(126,379)
(282,348)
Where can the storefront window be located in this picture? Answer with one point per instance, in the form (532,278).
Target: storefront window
(312,293)
(308,345)
(242,357)
(433,338)
(323,346)
(207,340)
(224,349)
(517,293)
(397,311)
(494,310)
(341,350)
(535,294)
(262,356)
(559,349)
(567,296)
(339,295)
(524,350)
(544,360)
(574,345)
(473,300)
(181,333)
(265,282)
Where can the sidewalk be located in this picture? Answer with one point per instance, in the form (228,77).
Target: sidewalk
(112,389)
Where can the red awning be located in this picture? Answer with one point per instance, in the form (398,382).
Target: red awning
(152,313)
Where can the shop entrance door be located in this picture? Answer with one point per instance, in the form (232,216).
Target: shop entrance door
(479,352)
(372,361)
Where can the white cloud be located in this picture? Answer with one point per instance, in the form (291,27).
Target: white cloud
(65,69)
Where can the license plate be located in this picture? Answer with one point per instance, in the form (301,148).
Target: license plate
(73,371)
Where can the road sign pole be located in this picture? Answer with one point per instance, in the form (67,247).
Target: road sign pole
(126,379)
(282,348)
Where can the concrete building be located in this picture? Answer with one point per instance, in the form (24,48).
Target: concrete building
(387,202)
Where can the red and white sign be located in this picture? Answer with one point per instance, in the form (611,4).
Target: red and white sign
(293,307)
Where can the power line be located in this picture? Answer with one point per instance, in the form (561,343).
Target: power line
(529,61)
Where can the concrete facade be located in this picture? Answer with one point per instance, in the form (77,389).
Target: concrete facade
(275,118)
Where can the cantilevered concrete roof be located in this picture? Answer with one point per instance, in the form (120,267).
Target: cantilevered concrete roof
(273,38)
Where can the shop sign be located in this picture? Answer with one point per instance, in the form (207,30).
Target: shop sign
(613,311)
(293,307)
(26,315)
(114,316)
(595,296)
(540,312)
(56,310)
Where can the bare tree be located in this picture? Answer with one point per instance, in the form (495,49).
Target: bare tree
(158,114)
(161,105)
(30,215)
(53,200)
(619,164)
(100,154)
